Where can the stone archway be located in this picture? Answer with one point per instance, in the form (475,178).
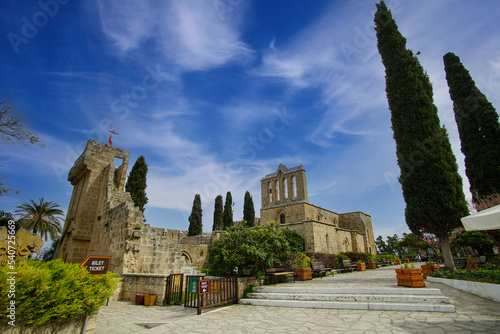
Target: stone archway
(186,257)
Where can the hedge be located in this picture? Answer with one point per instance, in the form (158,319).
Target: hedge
(46,291)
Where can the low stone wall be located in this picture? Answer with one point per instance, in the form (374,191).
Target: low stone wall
(245,282)
(484,290)
(140,284)
(65,326)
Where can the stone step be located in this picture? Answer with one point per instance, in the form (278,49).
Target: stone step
(353,298)
(381,299)
(366,291)
(421,307)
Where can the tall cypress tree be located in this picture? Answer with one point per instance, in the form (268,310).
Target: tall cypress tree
(248,210)
(478,126)
(227,216)
(218,211)
(136,183)
(195,225)
(432,187)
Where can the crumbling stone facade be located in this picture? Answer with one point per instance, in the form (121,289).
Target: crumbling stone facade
(102,220)
(285,200)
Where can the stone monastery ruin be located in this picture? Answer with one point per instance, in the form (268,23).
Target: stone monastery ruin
(102,220)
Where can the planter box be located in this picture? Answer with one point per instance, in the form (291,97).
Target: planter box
(361,267)
(428,269)
(149,300)
(372,265)
(303,274)
(411,277)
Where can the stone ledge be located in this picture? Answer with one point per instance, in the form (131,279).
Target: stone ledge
(485,290)
(144,275)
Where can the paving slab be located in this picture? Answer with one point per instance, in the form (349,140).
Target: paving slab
(473,314)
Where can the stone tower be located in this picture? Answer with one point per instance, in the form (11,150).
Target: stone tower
(93,177)
(286,186)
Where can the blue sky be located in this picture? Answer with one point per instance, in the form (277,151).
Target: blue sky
(216,94)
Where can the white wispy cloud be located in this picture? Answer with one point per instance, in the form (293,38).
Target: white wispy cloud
(190,34)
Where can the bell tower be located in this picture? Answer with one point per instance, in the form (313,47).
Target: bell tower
(286,186)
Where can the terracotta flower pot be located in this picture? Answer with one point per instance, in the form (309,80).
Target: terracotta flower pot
(428,269)
(361,266)
(411,277)
(303,274)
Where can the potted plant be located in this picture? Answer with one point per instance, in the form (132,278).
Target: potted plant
(429,267)
(411,277)
(302,264)
(361,266)
(371,262)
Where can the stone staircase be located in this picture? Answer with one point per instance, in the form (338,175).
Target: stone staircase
(379,299)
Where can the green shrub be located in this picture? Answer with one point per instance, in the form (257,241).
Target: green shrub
(258,248)
(355,256)
(297,244)
(329,260)
(46,291)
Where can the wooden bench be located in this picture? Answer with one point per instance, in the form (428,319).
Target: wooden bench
(348,266)
(319,268)
(279,271)
(386,262)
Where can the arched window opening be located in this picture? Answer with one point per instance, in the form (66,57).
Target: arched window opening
(285,188)
(276,185)
(269,192)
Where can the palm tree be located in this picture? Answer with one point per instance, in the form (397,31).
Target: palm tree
(41,218)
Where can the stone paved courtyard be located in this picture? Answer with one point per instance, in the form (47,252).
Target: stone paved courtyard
(473,314)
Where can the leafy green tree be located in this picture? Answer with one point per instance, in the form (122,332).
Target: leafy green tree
(478,126)
(41,218)
(136,183)
(297,243)
(475,240)
(48,253)
(258,248)
(413,244)
(227,216)
(218,212)
(195,219)
(248,210)
(432,187)
(381,246)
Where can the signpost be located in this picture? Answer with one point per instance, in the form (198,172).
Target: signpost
(193,285)
(204,287)
(97,265)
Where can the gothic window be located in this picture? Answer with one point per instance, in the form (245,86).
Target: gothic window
(270,192)
(277,190)
(285,188)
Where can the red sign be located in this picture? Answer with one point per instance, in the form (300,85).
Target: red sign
(97,265)
(204,287)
